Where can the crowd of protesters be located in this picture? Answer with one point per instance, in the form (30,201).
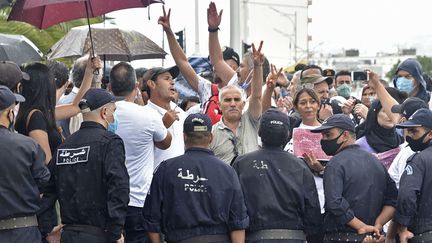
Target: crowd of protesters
(118,158)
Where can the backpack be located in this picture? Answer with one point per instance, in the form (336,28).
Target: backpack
(211,107)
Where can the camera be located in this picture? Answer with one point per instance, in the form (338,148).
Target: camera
(359,76)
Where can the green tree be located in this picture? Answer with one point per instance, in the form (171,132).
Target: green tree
(43,39)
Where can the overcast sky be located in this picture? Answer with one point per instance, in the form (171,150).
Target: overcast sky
(368,25)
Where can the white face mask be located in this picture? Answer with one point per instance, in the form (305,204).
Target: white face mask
(16,109)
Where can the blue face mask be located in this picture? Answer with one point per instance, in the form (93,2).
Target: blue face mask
(112,126)
(344,90)
(245,85)
(405,85)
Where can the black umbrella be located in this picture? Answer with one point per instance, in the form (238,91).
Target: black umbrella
(19,49)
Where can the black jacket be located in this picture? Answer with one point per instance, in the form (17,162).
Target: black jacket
(415,193)
(23,174)
(194,194)
(90,180)
(279,191)
(356,184)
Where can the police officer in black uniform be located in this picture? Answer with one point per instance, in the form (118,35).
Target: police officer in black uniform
(89,176)
(360,196)
(279,189)
(195,197)
(414,212)
(23,175)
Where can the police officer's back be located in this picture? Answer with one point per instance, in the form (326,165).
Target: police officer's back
(279,189)
(195,197)
(414,211)
(359,194)
(90,178)
(23,175)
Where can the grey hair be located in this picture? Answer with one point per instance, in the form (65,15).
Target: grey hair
(248,57)
(231,87)
(78,70)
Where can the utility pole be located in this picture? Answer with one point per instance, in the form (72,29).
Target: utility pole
(197,46)
(235,24)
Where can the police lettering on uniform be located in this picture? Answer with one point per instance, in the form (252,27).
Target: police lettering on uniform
(195,197)
(23,176)
(359,194)
(414,212)
(89,176)
(279,189)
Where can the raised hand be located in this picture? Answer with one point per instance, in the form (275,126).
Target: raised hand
(165,19)
(374,80)
(213,18)
(273,77)
(258,55)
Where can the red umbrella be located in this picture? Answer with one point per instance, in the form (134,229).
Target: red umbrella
(45,13)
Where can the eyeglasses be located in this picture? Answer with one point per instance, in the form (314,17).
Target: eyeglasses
(235,151)
(305,86)
(234,143)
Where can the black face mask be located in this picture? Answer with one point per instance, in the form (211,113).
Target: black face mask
(330,147)
(417,144)
(11,121)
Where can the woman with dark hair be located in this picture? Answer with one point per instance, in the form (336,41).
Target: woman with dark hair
(307,103)
(37,115)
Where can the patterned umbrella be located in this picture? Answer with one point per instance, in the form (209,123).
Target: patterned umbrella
(109,41)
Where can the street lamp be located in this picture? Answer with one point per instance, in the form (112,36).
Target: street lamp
(292,17)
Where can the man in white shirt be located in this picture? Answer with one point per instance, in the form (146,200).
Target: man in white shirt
(161,90)
(142,131)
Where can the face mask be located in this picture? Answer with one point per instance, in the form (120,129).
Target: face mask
(417,144)
(371,98)
(344,90)
(404,84)
(112,126)
(11,121)
(330,147)
(245,85)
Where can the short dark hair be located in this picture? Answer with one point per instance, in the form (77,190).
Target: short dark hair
(122,79)
(352,134)
(342,73)
(310,92)
(140,72)
(197,138)
(60,72)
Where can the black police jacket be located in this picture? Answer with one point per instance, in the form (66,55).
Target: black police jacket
(90,180)
(279,191)
(356,184)
(23,174)
(194,194)
(415,193)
